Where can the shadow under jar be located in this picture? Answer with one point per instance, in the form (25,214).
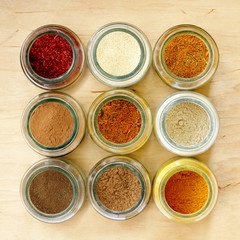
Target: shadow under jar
(52,57)
(186,123)
(185,57)
(119,187)
(185,190)
(119,55)
(119,121)
(53,190)
(53,124)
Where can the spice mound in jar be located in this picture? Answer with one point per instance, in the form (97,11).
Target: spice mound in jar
(51,124)
(119,121)
(187,123)
(50,56)
(186,192)
(51,192)
(186,56)
(118,53)
(118,189)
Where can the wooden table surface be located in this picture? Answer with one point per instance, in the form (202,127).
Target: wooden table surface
(220,18)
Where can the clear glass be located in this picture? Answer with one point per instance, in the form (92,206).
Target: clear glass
(144,132)
(178,82)
(73,72)
(125,80)
(78,119)
(75,176)
(173,166)
(126,162)
(161,114)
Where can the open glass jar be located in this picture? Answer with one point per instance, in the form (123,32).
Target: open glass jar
(104,50)
(202,103)
(173,166)
(128,96)
(71,171)
(76,112)
(78,57)
(168,76)
(123,162)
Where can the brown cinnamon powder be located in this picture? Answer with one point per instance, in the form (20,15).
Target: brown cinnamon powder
(51,192)
(118,189)
(51,124)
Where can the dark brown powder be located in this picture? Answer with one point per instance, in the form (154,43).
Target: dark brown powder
(51,192)
(51,124)
(118,189)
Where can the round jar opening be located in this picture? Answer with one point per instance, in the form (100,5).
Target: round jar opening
(118,53)
(52,124)
(119,120)
(50,191)
(187,123)
(118,188)
(186,55)
(186,192)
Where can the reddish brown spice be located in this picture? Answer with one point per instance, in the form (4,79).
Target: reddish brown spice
(186,56)
(119,121)
(50,56)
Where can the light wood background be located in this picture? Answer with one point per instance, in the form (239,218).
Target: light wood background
(220,18)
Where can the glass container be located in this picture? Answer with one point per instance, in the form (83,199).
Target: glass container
(125,162)
(173,166)
(178,82)
(72,73)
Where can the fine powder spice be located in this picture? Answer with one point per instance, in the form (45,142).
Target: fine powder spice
(51,192)
(50,56)
(118,189)
(187,123)
(186,56)
(118,53)
(119,121)
(186,192)
(51,124)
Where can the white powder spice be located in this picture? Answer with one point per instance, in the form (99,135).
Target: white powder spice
(187,123)
(118,53)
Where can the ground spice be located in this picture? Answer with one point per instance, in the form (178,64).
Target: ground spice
(186,56)
(118,189)
(118,53)
(186,192)
(51,192)
(51,124)
(50,56)
(119,121)
(187,123)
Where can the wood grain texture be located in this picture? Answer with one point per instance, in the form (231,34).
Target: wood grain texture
(219,17)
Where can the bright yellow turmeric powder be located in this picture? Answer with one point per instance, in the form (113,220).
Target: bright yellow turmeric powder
(186,192)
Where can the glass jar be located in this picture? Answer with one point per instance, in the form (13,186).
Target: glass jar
(72,73)
(125,162)
(122,80)
(160,127)
(173,166)
(135,143)
(74,175)
(178,82)
(78,121)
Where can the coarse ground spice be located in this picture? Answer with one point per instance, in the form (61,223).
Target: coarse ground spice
(51,124)
(119,121)
(118,189)
(50,56)
(51,192)
(186,192)
(186,56)
(187,123)
(118,53)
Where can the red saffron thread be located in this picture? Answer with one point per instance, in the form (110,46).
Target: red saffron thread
(50,56)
